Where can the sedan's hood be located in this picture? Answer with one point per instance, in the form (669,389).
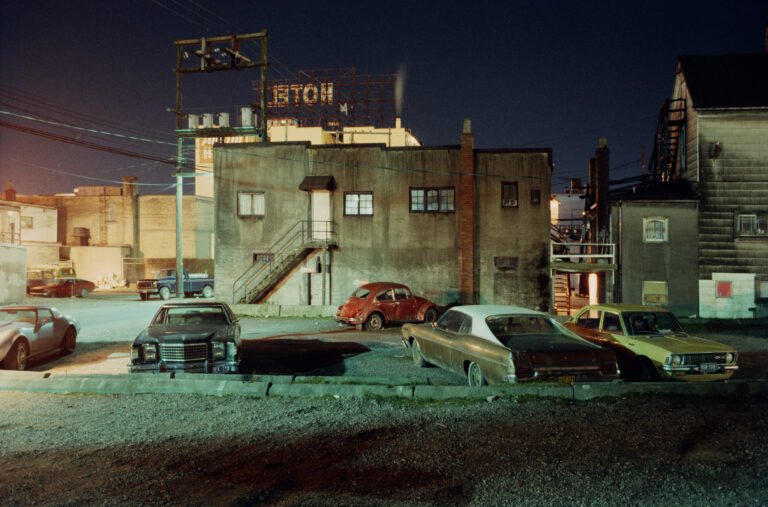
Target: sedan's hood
(681,344)
(181,334)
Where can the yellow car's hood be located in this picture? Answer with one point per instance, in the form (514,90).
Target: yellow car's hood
(680,344)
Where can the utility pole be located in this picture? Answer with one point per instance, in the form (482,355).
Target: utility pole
(215,54)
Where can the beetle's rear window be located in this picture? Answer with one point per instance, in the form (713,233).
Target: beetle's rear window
(361,293)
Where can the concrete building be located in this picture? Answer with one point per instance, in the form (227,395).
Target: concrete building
(306,224)
(655,230)
(115,233)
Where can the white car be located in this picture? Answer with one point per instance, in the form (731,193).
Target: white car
(33,331)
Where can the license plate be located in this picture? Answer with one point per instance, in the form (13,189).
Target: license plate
(708,367)
(221,369)
(566,379)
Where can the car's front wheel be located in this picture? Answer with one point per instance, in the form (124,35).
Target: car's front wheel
(69,341)
(644,371)
(418,358)
(17,357)
(375,322)
(475,376)
(165,293)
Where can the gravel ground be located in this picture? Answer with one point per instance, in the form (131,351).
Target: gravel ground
(206,450)
(198,450)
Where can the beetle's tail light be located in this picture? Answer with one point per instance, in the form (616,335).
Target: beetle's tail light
(524,372)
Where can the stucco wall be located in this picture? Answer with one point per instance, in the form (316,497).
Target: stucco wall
(157,226)
(419,249)
(94,262)
(13,274)
(674,261)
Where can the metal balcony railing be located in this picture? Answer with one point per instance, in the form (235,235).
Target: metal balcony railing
(582,252)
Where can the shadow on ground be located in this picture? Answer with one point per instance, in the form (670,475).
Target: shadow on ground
(297,357)
(84,354)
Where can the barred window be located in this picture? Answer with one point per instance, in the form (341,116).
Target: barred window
(751,224)
(433,200)
(358,203)
(250,204)
(654,229)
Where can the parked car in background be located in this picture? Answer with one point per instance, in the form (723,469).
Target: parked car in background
(165,284)
(189,337)
(64,287)
(45,274)
(506,344)
(28,331)
(375,305)
(651,344)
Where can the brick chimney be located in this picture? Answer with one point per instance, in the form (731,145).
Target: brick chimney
(10,193)
(467,215)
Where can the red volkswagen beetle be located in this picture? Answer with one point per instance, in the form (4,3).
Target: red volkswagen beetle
(377,304)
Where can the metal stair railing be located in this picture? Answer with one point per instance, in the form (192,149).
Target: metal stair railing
(302,235)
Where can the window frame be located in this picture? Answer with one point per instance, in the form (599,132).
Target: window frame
(755,225)
(535,197)
(358,194)
(444,196)
(654,219)
(252,193)
(516,186)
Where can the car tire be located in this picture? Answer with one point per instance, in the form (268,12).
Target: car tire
(374,322)
(644,371)
(17,357)
(475,376)
(418,358)
(143,296)
(207,291)
(69,341)
(430,315)
(83,293)
(165,293)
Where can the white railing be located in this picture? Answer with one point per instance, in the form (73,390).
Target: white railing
(582,252)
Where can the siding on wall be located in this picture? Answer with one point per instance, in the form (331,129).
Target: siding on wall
(735,181)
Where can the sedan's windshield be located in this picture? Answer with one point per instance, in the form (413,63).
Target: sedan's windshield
(192,315)
(652,323)
(17,316)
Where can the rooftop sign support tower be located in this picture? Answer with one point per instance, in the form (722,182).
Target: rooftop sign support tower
(213,54)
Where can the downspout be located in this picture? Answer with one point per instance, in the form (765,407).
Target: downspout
(618,297)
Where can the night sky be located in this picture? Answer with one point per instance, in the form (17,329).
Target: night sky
(528,74)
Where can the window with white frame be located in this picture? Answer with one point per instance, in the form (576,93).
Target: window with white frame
(751,224)
(509,194)
(655,229)
(433,200)
(358,203)
(250,204)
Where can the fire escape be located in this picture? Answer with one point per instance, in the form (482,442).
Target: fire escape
(270,269)
(670,132)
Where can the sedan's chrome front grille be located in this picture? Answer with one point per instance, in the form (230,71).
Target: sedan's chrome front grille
(184,352)
(696,359)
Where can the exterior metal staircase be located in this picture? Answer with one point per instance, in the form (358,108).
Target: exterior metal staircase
(670,132)
(282,257)
(561,285)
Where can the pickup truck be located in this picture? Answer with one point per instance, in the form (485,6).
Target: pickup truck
(165,284)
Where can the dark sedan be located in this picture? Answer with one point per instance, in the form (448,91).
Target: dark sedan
(63,288)
(189,337)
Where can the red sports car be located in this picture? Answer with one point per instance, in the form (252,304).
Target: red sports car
(377,304)
(64,287)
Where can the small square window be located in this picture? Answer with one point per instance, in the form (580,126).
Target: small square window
(751,224)
(250,204)
(358,203)
(655,229)
(27,222)
(509,194)
(535,197)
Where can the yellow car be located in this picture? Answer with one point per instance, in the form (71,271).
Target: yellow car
(650,343)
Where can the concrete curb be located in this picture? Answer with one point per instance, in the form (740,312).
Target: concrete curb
(272,310)
(316,387)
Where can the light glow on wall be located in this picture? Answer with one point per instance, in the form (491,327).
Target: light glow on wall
(593,288)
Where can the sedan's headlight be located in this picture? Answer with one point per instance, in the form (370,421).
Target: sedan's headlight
(150,352)
(675,360)
(219,350)
(134,353)
(730,357)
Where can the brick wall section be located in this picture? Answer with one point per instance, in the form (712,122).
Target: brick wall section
(467,219)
